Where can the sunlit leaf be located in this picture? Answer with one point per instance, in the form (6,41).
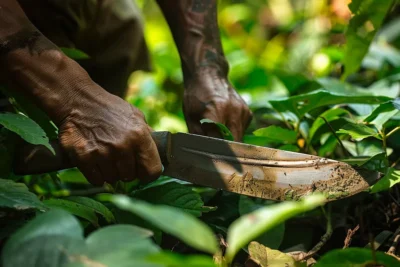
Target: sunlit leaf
(266,257)
(367,19)
(389,180)
(301,104)
(383,113)
(358,131)
(351,257)
(26,128)
(277,134)
(169,259)
(74,53)
(173,221)
(250,226)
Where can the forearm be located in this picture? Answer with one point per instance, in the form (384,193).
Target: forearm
(34,65)
(194,26)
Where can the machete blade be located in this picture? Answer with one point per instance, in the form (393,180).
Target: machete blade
(260,171)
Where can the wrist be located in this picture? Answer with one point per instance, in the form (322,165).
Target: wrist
(56,83)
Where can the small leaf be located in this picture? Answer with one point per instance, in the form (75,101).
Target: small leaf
(277,134)
(378,162)
(225,132)
(358,131)
(289,147)
(173,221)
(174,195)
(74,53)
(26,128)
(266,257)
(386,182)
(17,196)
(350,257)
(249,227)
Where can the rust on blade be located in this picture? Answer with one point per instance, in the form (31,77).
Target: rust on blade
(259,171)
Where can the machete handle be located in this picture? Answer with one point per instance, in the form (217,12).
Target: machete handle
(37,159)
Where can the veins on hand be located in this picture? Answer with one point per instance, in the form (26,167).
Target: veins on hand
(30,39)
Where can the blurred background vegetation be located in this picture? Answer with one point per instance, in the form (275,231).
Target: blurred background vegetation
(275,48)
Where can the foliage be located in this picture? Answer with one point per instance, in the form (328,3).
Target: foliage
(319,81)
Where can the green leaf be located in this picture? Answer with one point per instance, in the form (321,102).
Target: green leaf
(301,104)
(389,180)
(83,207)
(367,19)
(174,195)
(225,132)
(28,129)
(173,221)
(51,234)
(266,257)
(271,238)
(351,257)
(329,115)
(358,131)
(378,162)
(277,134)
(26,106)
(74,53)
(96,206)
(169,259)
(249,227)
(382,114)
(17,196)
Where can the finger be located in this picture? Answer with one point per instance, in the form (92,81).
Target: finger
(195,128)
(236,128)
(108,170)
(126,167)
(92,174)
(148,162)
(211,130)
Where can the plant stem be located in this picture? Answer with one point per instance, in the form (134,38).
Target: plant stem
(393,131)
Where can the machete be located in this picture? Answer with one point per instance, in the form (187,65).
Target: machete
(236,167)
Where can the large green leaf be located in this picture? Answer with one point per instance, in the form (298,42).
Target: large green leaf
(358,131)
(17,196)
(44,241)
(173,221)
(367,19)
(250,226)
(72,176)
(352,257)
(28,129)
(271,238)
(389,180)
(175,195)
(301,104)
(277,134)
(55,239)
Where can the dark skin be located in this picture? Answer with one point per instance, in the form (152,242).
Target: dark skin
(107,138)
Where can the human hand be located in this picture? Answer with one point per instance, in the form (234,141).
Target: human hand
(109,140)
(212,97)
